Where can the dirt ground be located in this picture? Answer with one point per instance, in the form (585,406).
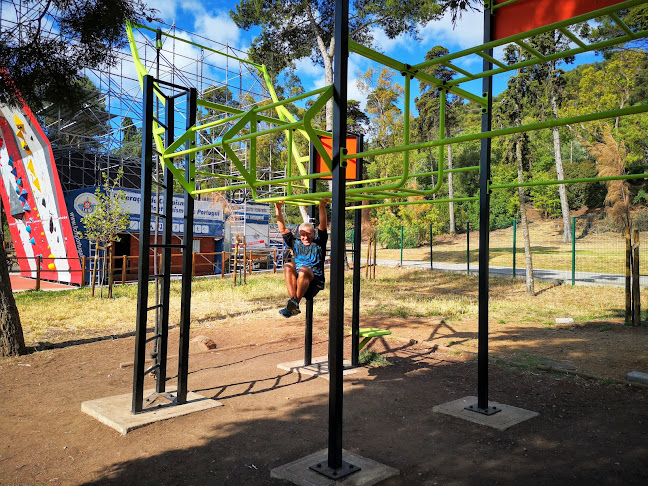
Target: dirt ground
(588,431)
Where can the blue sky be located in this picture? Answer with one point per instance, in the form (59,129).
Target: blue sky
(211,20)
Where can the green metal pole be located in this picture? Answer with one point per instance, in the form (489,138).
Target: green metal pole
(468,248)
(514,247)
(573,250)
(431,244)
(402,232)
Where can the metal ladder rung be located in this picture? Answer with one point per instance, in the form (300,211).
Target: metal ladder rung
(159,215)
(155,119)
(159,184)
(156,306)
(155,336)
(151,368)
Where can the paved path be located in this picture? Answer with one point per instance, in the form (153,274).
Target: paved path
(19,284)
(582,278)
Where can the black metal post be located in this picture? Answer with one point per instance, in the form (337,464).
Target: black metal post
(357,243)
(335,468)
(484,234)
(308,332)
(431,248)
(187,253)
(163,316)
(144,247)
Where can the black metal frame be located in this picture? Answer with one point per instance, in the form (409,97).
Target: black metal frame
(484,223)
(164,278)
(357,243)
(335,468)
(308,333)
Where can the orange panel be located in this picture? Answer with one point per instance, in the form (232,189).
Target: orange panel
(525,15)
(352,148)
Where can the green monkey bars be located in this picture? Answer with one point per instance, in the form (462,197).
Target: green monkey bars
(246,126)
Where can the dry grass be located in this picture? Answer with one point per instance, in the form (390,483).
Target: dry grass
(54,317)
(595,252)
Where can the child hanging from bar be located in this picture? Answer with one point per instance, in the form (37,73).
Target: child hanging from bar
(305,276)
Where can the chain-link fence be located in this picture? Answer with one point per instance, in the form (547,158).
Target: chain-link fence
(597,254)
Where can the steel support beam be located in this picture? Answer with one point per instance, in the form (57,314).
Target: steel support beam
(484,224)
(144,247)
(187,253)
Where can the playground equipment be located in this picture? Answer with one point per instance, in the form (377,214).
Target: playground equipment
(509,21)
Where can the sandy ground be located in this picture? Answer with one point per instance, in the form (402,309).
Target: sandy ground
(587,432)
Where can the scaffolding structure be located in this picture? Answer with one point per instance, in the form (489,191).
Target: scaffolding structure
(105,136)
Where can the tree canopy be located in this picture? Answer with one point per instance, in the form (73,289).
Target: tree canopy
(47,44)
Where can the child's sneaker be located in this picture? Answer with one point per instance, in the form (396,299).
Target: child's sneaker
(293,307)
(285,312)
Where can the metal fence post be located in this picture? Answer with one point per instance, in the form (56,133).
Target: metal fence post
(431,244)
(573,250)
(514,244)
(468,248)
(402,235)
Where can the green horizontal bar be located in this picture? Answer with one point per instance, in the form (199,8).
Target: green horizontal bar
(490,59)
(291,99)
(569,181)
(632,110)
(406,68)
(572,37)
(622,24)
(559,55)
(546,28)
(457,69)
(260,183)
(531,50)
(412,176)
(195,44)
(407,203)
(234,140)
(495,6)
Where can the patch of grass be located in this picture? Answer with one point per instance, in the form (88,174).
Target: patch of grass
(373,359)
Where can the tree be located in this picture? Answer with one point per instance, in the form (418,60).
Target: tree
(41,57)
(43,53)
(428,122)
(294,30)
(549,82)
(107,221)
(513,102)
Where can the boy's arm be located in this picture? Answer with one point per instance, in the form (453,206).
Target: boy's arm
(280,219)
(323,221)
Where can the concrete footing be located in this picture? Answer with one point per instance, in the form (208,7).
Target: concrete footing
(502,420)
(298,472)
(115,411)
(319,367)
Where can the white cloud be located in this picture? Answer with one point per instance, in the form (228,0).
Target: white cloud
(468,32)
(219,28)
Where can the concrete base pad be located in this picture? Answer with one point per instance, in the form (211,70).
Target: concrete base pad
(298,472)
(319,367)
(507,417)
(115,411)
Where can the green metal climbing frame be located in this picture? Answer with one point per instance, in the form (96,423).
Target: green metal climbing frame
(246,126)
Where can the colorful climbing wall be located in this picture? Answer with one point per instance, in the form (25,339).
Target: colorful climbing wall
(32,198)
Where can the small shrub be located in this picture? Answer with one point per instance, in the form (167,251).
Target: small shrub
(373,359)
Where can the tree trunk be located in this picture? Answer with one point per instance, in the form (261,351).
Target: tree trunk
(12,341)
(560,172)
(453,228)
(524,221)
